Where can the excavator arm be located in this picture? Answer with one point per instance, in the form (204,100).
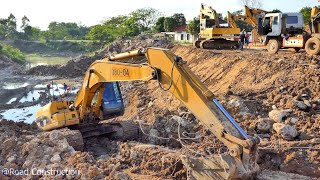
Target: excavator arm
(174,75)
(208,13)
(251,16)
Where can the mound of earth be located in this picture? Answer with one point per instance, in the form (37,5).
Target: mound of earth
(9,65)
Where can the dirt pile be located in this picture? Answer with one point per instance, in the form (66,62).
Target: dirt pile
(9,65)
(276,97)
(39,154)
(77,67)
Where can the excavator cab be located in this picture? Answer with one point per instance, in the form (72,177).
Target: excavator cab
(112,102)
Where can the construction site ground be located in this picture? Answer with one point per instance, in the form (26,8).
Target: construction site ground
(276,97)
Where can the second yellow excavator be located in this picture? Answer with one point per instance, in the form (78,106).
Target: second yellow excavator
(252,16)
(212,34)
(173,75)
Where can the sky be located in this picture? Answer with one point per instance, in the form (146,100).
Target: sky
(42,12)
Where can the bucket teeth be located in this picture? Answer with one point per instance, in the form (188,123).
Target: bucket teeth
(218,167)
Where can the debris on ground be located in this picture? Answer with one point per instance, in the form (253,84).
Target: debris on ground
(274,97)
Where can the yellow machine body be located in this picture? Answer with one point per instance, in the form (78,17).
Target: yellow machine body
(55,115)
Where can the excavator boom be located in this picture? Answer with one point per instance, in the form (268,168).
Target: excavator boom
(173,75)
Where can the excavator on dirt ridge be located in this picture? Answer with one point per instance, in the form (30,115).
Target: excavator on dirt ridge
(212,34)
(172,73)
(252,16)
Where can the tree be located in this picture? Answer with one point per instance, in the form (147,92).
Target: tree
(252,3)
(116,27)
(57,31)
(145,17)
(306,13)
(159,26)
(27,33)
(10,26)
(169,24)
(131,27)
(276,11)
(194,26)
(27,30)
(179,19)
(99,32)
(25,22)
(35,33)
(62,30)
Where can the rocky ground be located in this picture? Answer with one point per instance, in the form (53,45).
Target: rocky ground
(275,97)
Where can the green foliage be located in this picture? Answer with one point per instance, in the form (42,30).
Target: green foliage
(159,26)
(144,18)
(99,32)
(306,13)
(169,24)
(35,33)
(57,47)
(12,53)
(194,26)
(25,22)
(276,11)
(133,24)
(179,19)
(8,27)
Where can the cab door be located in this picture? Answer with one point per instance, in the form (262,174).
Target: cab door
(112,102)
(276,25)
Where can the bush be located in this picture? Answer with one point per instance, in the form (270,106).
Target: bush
(12,53)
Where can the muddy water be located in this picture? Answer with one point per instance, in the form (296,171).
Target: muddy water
(30,100)
(35,60)
(14,85)
(26,114)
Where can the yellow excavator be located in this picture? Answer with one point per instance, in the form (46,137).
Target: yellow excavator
(173,75)
(252,16)
(312,46)
(212,34)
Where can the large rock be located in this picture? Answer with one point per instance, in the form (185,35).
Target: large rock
(55,158)
(264,124)
(301,105)
(279,115)
(154,134)
(285,131)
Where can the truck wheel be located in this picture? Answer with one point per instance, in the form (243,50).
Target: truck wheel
(273,46)
(296,49)
(313,46)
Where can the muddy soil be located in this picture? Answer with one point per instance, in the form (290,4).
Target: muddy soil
(275,97)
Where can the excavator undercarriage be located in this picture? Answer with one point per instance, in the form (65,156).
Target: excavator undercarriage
(216,44)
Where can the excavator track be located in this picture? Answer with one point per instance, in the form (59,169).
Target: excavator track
(118,130)
(218,44)
(197,43)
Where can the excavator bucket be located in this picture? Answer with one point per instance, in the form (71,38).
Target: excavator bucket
(222,167)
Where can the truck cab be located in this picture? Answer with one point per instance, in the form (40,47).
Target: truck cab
(282,30)
(275,24)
